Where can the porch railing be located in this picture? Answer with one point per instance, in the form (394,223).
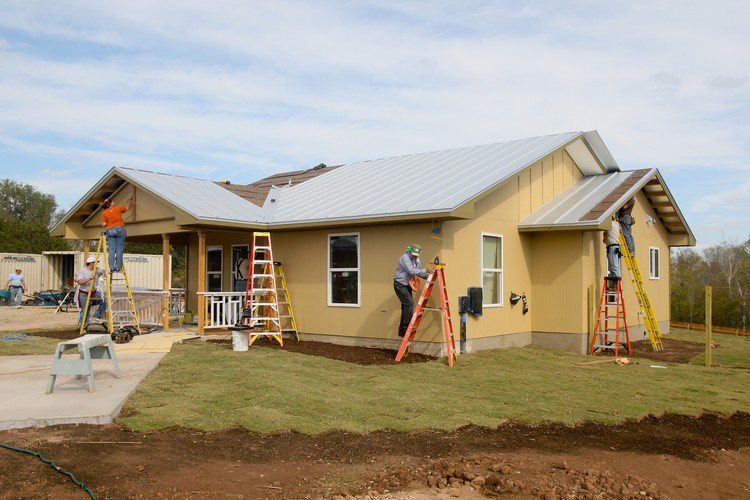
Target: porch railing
(222,309)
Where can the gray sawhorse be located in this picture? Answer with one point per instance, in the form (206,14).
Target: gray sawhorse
(90,346)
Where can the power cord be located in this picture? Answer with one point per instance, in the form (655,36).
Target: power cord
(53,465)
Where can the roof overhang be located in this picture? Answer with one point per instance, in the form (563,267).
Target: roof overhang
(589,204)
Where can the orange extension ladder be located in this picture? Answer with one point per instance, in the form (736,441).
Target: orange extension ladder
(421,306)
(605,336)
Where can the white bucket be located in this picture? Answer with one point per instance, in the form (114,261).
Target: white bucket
(240,341)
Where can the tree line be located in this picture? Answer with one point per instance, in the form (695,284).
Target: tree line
(27,215)
(724,267)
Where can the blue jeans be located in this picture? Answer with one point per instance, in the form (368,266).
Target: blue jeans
(95,300)
(116,245)
(626,226)
(16,296)
(613,259)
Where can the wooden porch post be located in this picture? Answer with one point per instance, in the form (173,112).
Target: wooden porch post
(166,270)
(201,281)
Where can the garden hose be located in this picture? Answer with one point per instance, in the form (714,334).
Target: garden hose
(53,465)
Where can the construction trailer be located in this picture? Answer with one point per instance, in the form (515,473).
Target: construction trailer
(55,270)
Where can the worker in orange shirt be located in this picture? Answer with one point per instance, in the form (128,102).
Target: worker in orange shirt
(115,231)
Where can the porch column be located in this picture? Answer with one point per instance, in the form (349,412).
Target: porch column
(201,281)
(166,270)
(86,246)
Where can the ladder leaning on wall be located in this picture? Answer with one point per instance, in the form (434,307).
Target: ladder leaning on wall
(652,326)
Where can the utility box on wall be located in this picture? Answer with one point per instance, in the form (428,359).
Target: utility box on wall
(475,300)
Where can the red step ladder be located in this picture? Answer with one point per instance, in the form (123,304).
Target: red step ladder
(608,326)
(421,306)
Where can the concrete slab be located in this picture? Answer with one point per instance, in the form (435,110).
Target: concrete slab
(23,383)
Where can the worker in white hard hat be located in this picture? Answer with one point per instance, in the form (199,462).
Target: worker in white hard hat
(86,279)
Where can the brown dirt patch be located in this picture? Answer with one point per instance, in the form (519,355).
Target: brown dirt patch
(669,456)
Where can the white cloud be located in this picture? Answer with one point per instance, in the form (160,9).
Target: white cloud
(236,89)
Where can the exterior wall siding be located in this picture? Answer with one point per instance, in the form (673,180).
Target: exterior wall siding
(556,270)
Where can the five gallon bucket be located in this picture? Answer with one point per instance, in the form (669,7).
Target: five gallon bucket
(240,341)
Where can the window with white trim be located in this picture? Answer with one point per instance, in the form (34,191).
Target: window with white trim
(214,266)
(343,269)
(654,272)
(492,269)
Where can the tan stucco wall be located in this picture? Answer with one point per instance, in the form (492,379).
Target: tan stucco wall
(556,270)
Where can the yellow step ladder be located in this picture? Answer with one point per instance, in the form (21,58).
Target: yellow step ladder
(652,326)
(609,326)
(286,313)
(445,313)
(260,312)
(122,316)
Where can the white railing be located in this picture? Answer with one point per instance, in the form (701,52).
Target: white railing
(222,309)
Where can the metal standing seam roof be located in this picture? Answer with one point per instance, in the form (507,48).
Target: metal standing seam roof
(199,198)
(417,184)
(590,202)
(570,208)
(436,182)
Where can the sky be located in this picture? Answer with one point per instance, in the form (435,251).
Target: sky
(239,90)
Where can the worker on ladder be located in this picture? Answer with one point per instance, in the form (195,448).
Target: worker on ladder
(406,281)
(115,231)
(88,279)
(612,242)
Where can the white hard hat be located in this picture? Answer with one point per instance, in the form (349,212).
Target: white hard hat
(90,259)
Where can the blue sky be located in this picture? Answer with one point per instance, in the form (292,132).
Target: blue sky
(237,90)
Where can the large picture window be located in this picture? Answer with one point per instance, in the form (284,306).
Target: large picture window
(653,263)
(214,259)
(492,269)
(343,269)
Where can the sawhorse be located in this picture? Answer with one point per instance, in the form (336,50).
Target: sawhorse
(90,346)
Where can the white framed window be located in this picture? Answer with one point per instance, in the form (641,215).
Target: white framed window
(343,270)
(654,271)
(492,270)
(214,267)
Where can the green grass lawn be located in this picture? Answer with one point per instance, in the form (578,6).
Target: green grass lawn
(209,387)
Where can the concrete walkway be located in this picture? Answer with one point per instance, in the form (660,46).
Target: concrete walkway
(23,385)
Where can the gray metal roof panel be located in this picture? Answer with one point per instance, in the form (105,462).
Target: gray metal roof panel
(199,198)
(568,208)
(439,181)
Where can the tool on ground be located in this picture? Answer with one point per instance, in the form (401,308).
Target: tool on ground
(445,313)
(652,326)
(122,318)
(611,330)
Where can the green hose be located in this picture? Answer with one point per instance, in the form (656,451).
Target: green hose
(53,465)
